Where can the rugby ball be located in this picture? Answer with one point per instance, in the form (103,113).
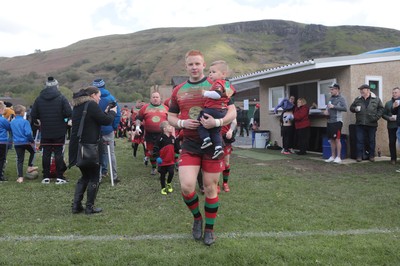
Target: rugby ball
(32,175)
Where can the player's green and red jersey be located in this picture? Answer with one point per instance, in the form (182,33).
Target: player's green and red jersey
(187,101)
(152,116)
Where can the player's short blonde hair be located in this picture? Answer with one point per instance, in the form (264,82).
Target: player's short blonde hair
(163,125)
(221,65)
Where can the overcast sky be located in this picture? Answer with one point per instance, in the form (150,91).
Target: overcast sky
(26,25)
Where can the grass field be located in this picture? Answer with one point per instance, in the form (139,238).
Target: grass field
(290,210)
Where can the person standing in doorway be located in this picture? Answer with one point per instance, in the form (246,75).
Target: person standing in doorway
(256,117)
(287,124)
(302,125)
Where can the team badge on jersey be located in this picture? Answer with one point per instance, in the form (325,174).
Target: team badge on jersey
(194,112)
(155,119)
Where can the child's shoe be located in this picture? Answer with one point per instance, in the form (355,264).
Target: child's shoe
(226,187)
(219,152)
(164,191)
(20,179)
(206,143)
(169,188)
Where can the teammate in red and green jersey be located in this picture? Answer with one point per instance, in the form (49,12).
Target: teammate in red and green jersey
(152,114)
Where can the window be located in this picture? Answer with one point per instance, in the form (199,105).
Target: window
(375,83)
(315,92)
(307,90)
(324,92)
(276,95)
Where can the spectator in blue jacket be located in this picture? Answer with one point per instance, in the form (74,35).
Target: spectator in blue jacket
(285,104)
(4,139)
(107,132)
(23,141)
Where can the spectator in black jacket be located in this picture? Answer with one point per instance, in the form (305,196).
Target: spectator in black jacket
(95,118)
(52,109)
(256,117)
(244,123)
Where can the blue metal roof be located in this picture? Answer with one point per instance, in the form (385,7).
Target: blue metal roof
(384,50)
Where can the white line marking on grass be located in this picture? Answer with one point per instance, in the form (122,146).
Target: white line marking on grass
(185,236)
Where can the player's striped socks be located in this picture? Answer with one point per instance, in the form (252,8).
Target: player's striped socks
(211,209)
(192,201)
(153,162)
(226,173)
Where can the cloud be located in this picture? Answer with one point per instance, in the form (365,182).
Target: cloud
(41,24)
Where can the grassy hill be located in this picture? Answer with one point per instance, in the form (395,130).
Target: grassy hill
(131,63)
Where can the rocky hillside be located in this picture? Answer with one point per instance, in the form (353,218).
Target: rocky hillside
(132,63)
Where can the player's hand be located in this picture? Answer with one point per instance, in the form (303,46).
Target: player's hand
(191,124)
(207,121)
(229,134)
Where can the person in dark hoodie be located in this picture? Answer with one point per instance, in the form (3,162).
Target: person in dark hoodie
(95,118)
(52,108)
(392,124)
(107,131)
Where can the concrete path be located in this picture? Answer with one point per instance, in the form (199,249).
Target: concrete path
(246,143)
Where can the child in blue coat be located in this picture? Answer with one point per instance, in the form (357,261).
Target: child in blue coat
(23,141)
(4,135)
